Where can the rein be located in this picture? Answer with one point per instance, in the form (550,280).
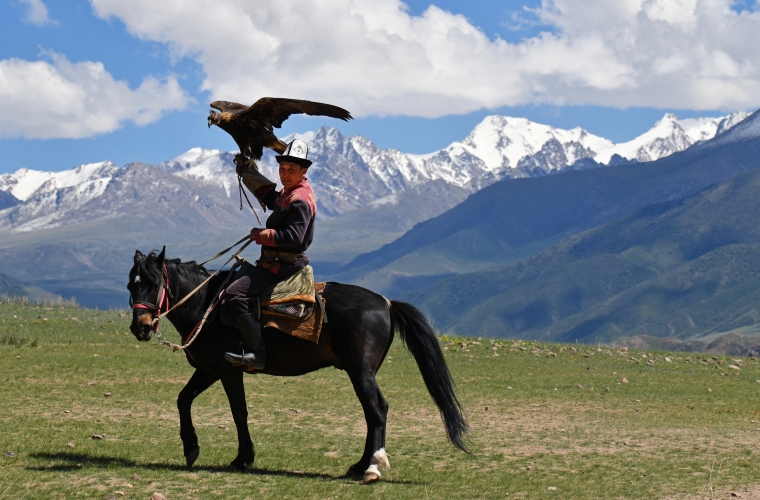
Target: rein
(164,292)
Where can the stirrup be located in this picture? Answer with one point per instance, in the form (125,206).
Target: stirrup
(254,360)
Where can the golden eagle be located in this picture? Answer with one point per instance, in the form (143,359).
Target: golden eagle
(251,126)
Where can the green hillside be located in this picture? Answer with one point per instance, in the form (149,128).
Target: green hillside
(514,219)
(340,239)
(11,287)
(687,268)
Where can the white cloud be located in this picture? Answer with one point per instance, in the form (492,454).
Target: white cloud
(74,100)
(37,12)
(373,57)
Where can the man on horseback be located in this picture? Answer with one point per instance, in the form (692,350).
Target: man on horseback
(289,232)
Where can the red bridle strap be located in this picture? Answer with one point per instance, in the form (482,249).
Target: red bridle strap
(163,298)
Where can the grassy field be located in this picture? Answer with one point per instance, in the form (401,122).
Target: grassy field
(547,421)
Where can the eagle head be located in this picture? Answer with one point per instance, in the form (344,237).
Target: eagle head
(213,118)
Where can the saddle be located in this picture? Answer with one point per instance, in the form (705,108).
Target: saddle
(291,306)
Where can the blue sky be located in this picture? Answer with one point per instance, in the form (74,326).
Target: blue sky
(550,62)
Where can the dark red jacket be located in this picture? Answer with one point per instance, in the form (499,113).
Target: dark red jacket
(290,227)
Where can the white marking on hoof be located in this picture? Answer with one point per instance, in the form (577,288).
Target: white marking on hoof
(380,458)
(371,475)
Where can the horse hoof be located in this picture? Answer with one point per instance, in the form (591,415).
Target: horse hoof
(239,465)
(371,475)
(192,456)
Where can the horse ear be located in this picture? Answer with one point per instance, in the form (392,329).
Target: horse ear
(139,257)
(161,257)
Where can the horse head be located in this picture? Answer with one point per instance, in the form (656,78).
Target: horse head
(145,289)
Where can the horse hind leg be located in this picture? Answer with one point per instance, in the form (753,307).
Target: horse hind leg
(375,409)
(379,460)
(199,382)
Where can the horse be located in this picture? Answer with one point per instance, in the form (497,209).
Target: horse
(356,339)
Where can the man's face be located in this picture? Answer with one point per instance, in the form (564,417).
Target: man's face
(291,174)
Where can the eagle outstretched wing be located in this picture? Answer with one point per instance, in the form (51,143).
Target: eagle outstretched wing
(251,126)
(274,111)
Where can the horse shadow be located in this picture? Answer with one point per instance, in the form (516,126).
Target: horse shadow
(68,462)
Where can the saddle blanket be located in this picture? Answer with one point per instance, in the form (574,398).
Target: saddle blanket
(291,305)
(299,287)
(308,327)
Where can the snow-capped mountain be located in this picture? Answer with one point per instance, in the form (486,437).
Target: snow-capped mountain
(24,182)
(668,136)
(351,172)
(47,197)
(104,191)
(517,147)
(208,166)
(746,129)
(74,232)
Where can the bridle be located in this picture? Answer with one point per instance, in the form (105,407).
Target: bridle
(164,292)
(162,299)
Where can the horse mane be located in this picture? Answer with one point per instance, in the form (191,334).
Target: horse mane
(149,268)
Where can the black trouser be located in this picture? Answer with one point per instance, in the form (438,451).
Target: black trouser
(247,287)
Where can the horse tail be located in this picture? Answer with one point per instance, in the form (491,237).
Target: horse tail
(419,338)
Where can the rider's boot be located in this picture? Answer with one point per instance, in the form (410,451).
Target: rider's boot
(250,330)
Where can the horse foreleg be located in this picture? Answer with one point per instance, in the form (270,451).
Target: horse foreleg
(375,409)
(199,382)
(232,380)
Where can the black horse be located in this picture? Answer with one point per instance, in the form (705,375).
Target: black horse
(356,339)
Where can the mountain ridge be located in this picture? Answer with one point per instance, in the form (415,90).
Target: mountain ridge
(492,225)
(687,269)
(70,231)
(350,172)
